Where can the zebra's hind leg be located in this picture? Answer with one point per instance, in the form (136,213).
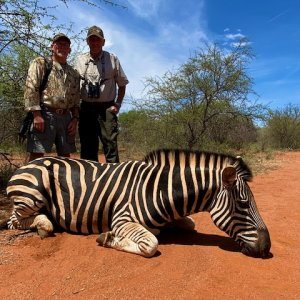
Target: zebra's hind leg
(132,238)
(41,223)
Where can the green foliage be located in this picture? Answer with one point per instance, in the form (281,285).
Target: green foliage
(31,22)
(138,132)
(23,23)
(13,68)
(206,99)
(13,73)
(283,128)
(235,130)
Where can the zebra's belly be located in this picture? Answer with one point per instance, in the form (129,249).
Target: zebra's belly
(75,225)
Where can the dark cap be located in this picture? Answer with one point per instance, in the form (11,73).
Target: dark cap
(94,30)
(60,36)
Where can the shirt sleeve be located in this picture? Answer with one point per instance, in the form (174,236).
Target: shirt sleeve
(32,86)
(79,67)
(121,78)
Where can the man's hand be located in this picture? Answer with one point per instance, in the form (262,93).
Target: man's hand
(72,126)
(115,108)
(38,121)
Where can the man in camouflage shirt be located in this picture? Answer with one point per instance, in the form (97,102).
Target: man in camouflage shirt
(55,109)
(103,85)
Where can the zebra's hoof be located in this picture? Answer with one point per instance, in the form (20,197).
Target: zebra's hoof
(43,225)
(43,233)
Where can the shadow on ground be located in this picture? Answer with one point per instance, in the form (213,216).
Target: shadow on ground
(184,237)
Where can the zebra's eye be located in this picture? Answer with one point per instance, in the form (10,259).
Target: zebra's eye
(244,203)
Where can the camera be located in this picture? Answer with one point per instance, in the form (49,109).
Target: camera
(93,90)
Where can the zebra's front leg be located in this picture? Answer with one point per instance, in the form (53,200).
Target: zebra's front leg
(130,237)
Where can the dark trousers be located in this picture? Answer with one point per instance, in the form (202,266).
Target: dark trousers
(96,121)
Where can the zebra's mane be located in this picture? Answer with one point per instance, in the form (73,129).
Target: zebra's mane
(172,156)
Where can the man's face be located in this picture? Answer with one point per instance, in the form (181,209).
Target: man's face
(95,43)
(61,49)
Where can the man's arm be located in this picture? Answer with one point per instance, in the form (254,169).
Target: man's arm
(34,78)
(121,94)
(32,94)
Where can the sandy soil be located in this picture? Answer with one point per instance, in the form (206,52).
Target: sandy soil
(189,265)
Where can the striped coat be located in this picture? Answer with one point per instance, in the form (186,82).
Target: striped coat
(129,202)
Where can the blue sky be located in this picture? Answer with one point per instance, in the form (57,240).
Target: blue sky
(151,37)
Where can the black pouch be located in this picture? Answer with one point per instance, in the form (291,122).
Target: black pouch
(25,127)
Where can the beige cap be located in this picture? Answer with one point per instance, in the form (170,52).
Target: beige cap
(94,30)
(60,36)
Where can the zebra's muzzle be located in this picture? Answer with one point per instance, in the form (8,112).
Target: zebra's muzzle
(261,249)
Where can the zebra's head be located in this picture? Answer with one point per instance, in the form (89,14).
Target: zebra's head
(235,212)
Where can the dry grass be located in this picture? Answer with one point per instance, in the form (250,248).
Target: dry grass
(263,162)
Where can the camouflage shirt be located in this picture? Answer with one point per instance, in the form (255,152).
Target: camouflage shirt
(105,71)
(62,89)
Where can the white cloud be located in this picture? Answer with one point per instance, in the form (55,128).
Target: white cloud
(234,36)
(243,44)
(145,8)
(139,59)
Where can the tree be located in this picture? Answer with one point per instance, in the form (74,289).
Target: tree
(23,22)
(138,132)
(283,127)
(30,23)
(211,84)
(230,131)
(13,69)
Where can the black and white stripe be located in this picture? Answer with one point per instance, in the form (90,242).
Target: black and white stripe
(129,201)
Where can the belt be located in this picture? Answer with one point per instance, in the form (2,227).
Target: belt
(59,111)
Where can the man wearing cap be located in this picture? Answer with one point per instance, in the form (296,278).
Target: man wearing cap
(103,85)
(55,107)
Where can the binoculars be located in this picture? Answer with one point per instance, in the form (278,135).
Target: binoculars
(93,90)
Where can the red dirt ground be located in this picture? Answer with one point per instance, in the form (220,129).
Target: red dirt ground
(189,265)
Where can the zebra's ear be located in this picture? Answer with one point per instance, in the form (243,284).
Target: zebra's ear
(229,176)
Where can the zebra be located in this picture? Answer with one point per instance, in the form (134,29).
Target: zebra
(129,203)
